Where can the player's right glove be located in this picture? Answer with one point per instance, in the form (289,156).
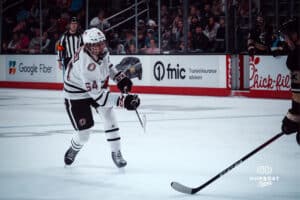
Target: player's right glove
(129,101)
(288,126)
(123,82)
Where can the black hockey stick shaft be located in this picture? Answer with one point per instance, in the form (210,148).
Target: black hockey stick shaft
(137,113)
(181,188)
(140,119)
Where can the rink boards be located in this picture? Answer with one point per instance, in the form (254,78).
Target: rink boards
(210,75)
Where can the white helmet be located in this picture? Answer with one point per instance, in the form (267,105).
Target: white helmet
(92,36)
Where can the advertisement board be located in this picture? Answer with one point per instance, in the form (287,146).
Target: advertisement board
(269,73)
(181,71)
(161,74)
(37,68)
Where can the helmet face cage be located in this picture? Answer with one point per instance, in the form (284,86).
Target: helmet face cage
(94,41)
(96,48)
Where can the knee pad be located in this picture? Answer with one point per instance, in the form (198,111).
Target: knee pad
(110,121)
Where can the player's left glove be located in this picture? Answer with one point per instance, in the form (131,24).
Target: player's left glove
(298,138)
(288,126)
(123,82)
(129,101)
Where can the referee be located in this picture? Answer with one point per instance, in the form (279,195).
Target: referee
(69,42)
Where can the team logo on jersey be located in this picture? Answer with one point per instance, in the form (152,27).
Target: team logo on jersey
(91,67)
(82,122)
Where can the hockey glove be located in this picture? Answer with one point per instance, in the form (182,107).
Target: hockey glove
(123,82)
(288,126)
(130,102)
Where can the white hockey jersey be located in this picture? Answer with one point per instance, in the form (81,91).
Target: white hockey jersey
(86,77)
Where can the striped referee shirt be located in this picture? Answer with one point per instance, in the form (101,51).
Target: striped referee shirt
(70,43)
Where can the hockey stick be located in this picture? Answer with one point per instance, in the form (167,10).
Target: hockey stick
(143,123)
(188,190)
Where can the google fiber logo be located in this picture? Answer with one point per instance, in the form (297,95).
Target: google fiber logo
(12,67)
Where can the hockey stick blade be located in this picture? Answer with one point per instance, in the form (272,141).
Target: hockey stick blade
(184,189)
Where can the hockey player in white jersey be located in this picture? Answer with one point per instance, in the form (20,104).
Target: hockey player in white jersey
(86,86)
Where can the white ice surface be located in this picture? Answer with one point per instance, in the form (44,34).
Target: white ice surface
(189,139)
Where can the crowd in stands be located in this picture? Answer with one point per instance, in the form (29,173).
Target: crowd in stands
(22,32)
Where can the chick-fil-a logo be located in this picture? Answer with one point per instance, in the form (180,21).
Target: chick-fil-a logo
(279,82)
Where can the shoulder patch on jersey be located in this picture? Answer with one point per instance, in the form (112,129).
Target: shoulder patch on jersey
(91,67)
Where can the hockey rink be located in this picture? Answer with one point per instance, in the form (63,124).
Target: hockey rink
(188,139)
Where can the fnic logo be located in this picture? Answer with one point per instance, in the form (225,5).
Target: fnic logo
(12,67)
(160,71)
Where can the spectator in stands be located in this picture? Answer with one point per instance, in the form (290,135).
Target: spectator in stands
(220,37)
(177,33)
(20,26)
(211,31)
(54,42)
(193,24)
(217,8)
(45,43)
(152,49)
(52,25)
(120,49)
(129,39)
(200,41)
(62,22)
(141,41)
(13,45)
(99,21)
(258,42)
(206,13)
(34,45)
(166,40)
(151,24)
(142,26)
(193,13)
(131,49)
(24,42)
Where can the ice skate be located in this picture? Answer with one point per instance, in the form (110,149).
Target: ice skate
(70,156)
(118,159)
